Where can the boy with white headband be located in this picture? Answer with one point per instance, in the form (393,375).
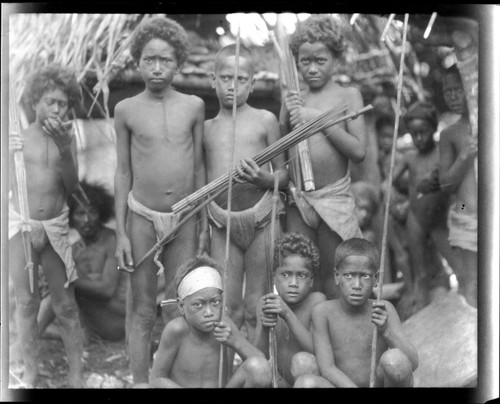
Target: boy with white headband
(189,350)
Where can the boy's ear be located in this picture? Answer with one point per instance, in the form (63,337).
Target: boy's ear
(252,83)
(180,306)
(212,82)
(336,273)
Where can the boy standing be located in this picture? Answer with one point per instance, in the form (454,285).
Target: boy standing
(426,222)
(458,151)
(343,328)
(326,215)
(296,261)
(251,206)
(49,150)
(188,354)
(160,161)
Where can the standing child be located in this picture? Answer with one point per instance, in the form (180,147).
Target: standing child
(251,206)
(160,161)
(343,328)
(189,350)
(326,215)
(296,261)
(426,222)
(49,150)
(457,175)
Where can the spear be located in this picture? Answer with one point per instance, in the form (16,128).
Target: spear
(388,199)
(22,193)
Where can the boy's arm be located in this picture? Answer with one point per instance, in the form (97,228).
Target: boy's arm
(399,169)
(451,169)
(123,184)
(104,286)
(389,327)
(228,334)
(323,349)
(165,356)
(200,177)
(63,135)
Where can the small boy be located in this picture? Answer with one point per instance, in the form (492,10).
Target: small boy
(325,215)
(189,350)
(426,222)
(296,261)
(159,162)
(252,203)
(343,328)
(457,175)
(49,150)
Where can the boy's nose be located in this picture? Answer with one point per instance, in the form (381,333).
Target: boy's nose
(293,281)
(357,282)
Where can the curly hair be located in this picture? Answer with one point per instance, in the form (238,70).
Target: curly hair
(296,244)
(49,78)
(162,28)
(192,264)
(357,246)
(422,110)
(319,28)
(98,197)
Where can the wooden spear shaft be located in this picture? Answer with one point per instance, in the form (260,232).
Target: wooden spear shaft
(223,352)
(373,364)
(273,348)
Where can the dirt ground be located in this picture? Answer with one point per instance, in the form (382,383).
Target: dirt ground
(106,363)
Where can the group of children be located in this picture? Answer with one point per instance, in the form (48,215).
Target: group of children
(323,312)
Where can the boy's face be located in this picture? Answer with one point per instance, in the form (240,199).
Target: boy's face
(364,211)
(385,138)
(223,81)
(52,104)
(422,134)
(293,279)
(202,309)
(158,64)
(316,63)
(454,95)
(356,278)
(86,222)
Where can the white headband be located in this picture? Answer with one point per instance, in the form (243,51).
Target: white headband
(197,279)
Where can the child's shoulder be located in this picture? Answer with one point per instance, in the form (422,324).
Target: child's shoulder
(325,307)
(127,103)
(316,297)
(192,99)
(176,328)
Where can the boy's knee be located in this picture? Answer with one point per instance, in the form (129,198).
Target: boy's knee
(396,366)
(306,381)
(258,372)
(304,363)
(27,307)
(66,310)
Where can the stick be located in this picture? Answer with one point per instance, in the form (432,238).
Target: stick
(387,25)
(272,331)
(387,202)
(223,354)
(429,25)
(22,193)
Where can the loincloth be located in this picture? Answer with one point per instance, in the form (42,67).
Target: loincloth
(163,223)
(334,204)
(245,223)
(462,228)
(54,231)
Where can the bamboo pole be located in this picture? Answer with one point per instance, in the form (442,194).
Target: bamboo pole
(223,352)
(388,199)
(272,331)
(20,173)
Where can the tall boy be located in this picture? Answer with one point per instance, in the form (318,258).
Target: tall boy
(49,150)
(160,161)
(326,215)
(296,261)
(188,354)
(458,150)
(251,206)
(343,328)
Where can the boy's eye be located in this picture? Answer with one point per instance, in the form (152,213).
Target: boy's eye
(216,302)
(321,61)
(305,61)
(242,79)
(367,276)
(348,276)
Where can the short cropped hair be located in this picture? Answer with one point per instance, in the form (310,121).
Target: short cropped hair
(367,190)
(453,69)
(191,265)
(98,197)
(230,50)
(296,244)
(162,28)
(422,110)
(357,246)
(49,78)
(319,28)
